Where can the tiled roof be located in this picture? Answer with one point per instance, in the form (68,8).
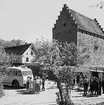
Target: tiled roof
(17,50)
(85,23)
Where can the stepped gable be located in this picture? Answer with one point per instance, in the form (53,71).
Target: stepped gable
(99,25)
(17,50)
(85,23)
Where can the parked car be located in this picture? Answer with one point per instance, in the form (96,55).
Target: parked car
(17,76)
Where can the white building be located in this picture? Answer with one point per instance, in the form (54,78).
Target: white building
(21,54)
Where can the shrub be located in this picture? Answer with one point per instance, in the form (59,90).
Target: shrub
(2,76)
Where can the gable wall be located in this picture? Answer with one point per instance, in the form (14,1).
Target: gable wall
(27,54)
(95,46)
(65,28)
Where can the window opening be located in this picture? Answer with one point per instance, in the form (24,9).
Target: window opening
(27,59)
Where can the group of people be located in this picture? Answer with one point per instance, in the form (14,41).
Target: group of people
(36,85)
(93,86)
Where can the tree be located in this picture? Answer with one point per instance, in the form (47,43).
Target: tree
(17,42)
(98,5)
(41,48)
(58,58)
(11,43)
(5,59)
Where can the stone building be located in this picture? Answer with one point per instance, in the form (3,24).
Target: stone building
(72,26)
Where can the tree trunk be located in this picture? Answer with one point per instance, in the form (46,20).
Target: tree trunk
(68,95)
(60,90)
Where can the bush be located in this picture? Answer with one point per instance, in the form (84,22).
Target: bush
(1,90)
(2,76)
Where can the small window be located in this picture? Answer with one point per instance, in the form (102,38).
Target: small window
(64,24)
(31,53)
(27,59)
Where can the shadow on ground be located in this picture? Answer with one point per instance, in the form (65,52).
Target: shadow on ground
(91,95)
(100,103)
(79,90)
(10,88)
(77,96)
(25,92)
(47,103)
(52,87)
(22,91)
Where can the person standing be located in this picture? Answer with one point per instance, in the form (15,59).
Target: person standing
(85,84)
(99,86)
(91,85)
(103,84)
(96,86)
(43,83)
(27,83)
(34,86)
(38,84)
(30,85)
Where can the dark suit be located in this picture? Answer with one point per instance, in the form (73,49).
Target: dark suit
(103,85)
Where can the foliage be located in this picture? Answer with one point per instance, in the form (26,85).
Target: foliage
(56,54)
(98,5)
(5,59)
(17,42)
(2,76)
(41,48)
(11,43)
(58,58)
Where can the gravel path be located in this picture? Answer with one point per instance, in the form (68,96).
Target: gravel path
(79,99)
(15,97)
(48,97)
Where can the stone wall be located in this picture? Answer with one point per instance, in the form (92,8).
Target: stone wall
(94,46)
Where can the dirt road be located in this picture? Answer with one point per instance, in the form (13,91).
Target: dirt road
(16,97)
(48,97)
(77,97)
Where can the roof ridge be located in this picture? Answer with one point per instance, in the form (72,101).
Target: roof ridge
(18,50)
(70,10)
(18,46)
(65,5)
(85,22)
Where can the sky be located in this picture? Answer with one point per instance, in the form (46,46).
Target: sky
(30,20)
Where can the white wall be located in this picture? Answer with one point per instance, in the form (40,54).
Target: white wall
(27,54)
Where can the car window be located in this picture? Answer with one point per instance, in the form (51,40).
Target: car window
(14,72)
(19,73)
(11,72)
(25,73)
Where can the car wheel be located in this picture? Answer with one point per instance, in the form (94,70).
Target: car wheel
(15,84)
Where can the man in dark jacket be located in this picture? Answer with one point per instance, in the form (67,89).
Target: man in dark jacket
(92,85)
(103,84)
(99,86)
(43,83)
(85,84)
